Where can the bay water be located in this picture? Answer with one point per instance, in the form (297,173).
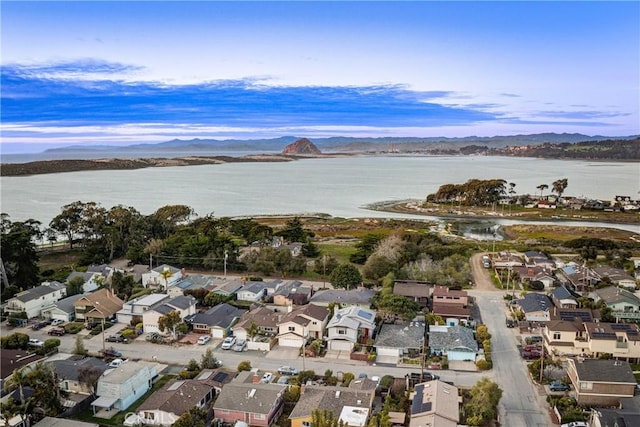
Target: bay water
(340,187)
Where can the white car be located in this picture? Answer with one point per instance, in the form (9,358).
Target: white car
(204,339)
(240,345)
(267,378)
(575,424)
(228,343)
(36,342)
(56,322)
(115,363)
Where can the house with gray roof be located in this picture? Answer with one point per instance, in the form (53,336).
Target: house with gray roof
(266,322)
(623,303)
(120,387)
(217,321)
(360,297)
(91,280)
(252,291)
(618,417)
(348,326)
(395,341)
(349,405)
(576,277)
(253,403)
(135,308)
(456,342)
(616,276)
(292,292)
(34,300)
(176,397)
(600,382)
(192,282)
(536,307)
(63,310)
(415,290)
(69,372)
(183,304)
(229,288)
(564,298)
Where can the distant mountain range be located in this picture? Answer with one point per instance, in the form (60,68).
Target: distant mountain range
(340,144)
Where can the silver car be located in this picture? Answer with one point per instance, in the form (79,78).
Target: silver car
(240,345)
(228,343)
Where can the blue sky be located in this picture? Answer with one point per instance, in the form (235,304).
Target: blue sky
(131,72)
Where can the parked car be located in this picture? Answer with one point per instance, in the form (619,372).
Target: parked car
(531,355)
(57,322)
(116,338)
(240,345)
(36,342)
(228,343)
(38,325)
(111,352)
(287,370)
(204,339)
(283,380)
(575,424)
(57,332)
(115,363)
(559,386)
(267,378)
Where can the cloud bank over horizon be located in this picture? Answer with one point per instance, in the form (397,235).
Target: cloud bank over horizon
(151,72)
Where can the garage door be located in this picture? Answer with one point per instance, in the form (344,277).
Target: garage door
(290,342)
(340,345)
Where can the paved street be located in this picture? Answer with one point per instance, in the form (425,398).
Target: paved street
(521,404)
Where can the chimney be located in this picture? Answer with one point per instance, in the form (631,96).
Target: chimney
(256,378)
(183,272)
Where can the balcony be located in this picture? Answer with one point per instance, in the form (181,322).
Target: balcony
(626,314)
(620,344)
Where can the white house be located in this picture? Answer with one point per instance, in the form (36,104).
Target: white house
(118,388)
(185,305)
(350,325)
(251,291)
(456,342)
(135,308)
(162,277)
(91,280)
(33,300)
(62,310)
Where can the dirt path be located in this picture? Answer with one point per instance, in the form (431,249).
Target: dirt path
(481,275)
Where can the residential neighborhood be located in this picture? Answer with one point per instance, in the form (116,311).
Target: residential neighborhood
(239,350)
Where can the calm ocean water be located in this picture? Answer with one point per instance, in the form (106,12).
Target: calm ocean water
(339,187)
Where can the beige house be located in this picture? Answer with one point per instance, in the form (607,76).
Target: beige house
(592,339)
(435,403)
(266,321)
(100,305)
(600,382)
(307,322)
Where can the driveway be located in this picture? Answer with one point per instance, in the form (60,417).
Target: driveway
(283,353)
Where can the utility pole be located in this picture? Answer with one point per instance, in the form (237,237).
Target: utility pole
(226,256)
(150,262)
(542,363)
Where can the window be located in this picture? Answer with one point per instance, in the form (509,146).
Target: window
(556,335)
(292,328)
(586,385)
(315,323)
(341,332)
(259,416)
(150,415)
(306,424)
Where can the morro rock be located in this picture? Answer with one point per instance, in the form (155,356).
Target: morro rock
(301,146)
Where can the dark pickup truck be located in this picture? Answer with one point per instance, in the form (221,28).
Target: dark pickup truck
(57,332)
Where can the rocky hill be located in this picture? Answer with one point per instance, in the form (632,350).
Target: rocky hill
(301,146)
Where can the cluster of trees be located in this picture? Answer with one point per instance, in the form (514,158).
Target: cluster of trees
(481,403)
(474,192)
(45,396)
